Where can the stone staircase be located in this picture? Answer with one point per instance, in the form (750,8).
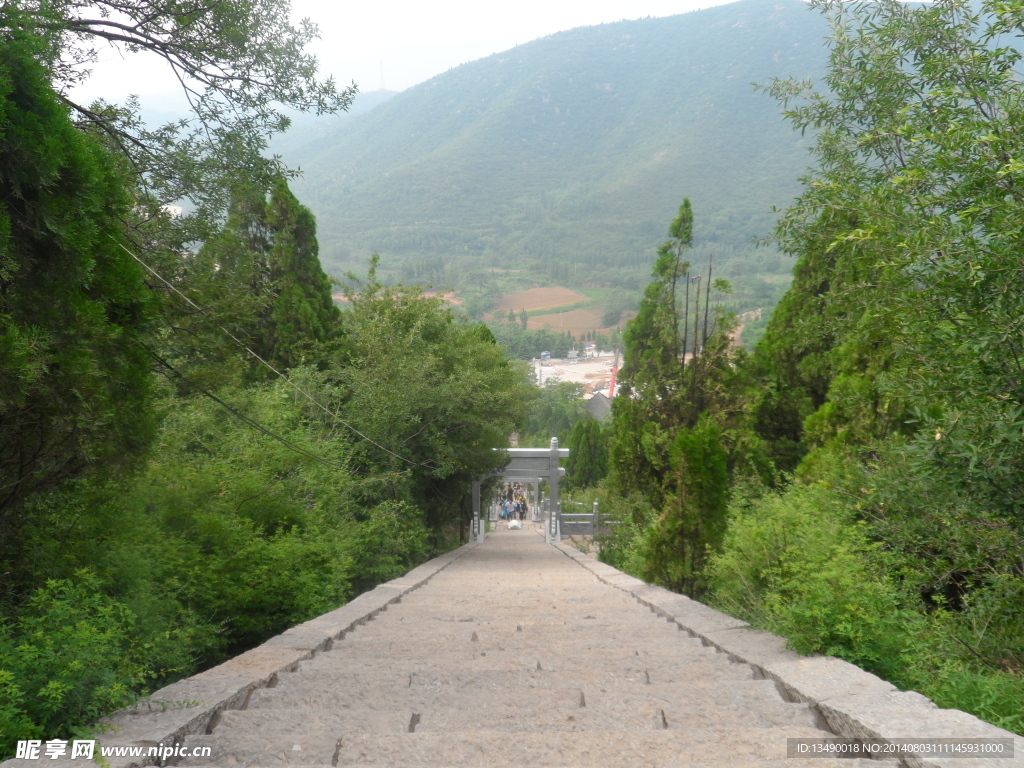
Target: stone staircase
(515,656)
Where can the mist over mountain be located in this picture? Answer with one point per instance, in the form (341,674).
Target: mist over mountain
(574,149)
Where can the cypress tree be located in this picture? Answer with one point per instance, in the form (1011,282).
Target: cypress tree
(74,385)
(588,454)
(302,312)
(693,519)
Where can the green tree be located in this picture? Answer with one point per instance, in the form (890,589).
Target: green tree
(259,277)
(241,65)
(74,381)
(302,311)
(660,391)
(680,424)
(435,398)
(587,464)
(915,202)
(692,523)
(654,348)
(556,410)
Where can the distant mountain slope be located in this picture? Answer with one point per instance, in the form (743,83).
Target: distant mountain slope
(573,149)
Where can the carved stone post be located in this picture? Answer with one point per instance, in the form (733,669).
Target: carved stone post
(554,516)
(477,533)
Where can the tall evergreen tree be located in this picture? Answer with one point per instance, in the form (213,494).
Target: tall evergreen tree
(302,310)
(693,518)
(671,417)
(263,274)
(587,464)
(74,382)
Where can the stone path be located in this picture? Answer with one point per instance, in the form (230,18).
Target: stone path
(515,656)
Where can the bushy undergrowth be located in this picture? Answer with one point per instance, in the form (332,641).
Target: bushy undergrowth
(71,657)
(806,565)
(223,539)
(883,568)
(800,565)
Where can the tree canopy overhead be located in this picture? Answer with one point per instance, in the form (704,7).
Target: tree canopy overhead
(239,63)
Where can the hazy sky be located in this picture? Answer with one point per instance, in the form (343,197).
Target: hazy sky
(413,40)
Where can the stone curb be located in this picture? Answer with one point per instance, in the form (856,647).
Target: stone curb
(853,703)
(194,705)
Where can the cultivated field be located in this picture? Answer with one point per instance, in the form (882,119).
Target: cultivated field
(578,321)
(540,298)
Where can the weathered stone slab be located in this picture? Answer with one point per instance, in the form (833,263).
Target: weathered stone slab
(623,581)
(751,646)
(258,665)
(815,679)
(700,620)
(909,715)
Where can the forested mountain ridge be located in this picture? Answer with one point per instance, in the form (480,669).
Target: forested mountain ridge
(574,148)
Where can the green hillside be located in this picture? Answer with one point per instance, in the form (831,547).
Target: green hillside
(576,147)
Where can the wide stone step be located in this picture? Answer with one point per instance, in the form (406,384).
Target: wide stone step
(636,716)
(746,695)
(251,736)
(300,737)
(418,699)
(489,680)
(400,642)
(650,632)
(498,749)
(691,661)
(568,647)
(684,651)
(404,739)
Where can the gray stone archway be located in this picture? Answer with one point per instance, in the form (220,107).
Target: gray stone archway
(529,465)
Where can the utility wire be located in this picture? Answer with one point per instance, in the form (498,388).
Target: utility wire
(292,384)
(240,416)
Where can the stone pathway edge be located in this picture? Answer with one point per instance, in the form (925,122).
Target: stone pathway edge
(193,705)
(855,704)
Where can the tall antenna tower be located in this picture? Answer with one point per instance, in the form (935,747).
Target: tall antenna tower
(382,74)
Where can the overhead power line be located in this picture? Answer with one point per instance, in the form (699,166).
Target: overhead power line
(263,362)
(241,416)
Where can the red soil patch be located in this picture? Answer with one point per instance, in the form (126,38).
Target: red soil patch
(540,298)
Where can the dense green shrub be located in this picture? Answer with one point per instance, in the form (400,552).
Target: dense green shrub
(71,657)
(624,543)
(391,540)
(798,564)
(802,564)
(223,539)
